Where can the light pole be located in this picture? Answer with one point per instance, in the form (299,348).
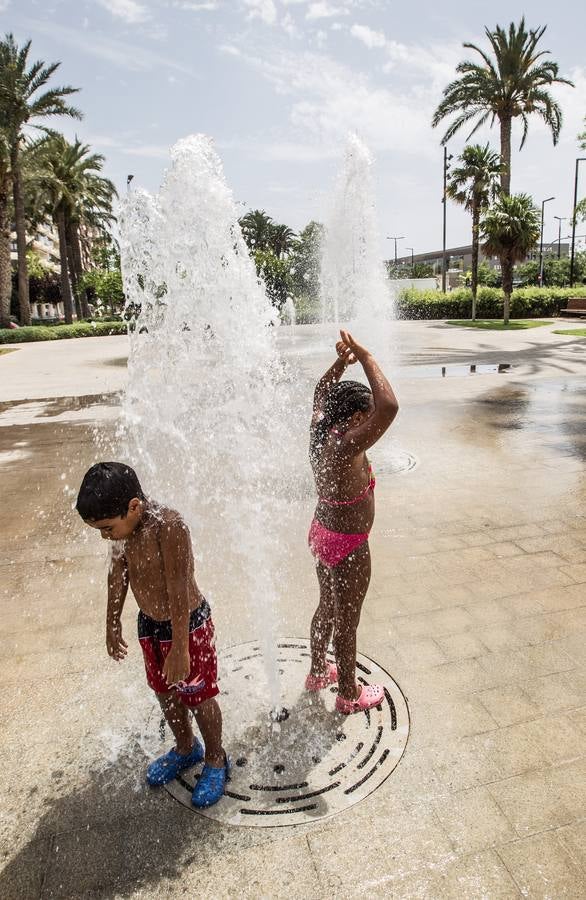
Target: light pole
(412,260)
(445,203)
(543,202)
(395,239)
(578,161)
(560,220)
(128,180)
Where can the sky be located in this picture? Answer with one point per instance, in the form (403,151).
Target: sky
(279,84)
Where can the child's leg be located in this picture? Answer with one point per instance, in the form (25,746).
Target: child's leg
(322,623)
(179,721)
(209,719)
(350,584)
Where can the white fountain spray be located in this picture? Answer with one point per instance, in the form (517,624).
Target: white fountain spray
(354,286)
(208,409)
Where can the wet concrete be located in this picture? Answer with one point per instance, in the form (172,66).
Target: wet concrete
(477,608)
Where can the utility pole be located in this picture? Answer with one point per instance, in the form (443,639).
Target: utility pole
(578,161)
(395,239)
(412,259)
(445,203)
(560,220)
(543,202)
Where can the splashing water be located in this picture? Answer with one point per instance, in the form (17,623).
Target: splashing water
(209,406)
(354,287)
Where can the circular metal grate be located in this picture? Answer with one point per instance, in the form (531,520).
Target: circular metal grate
(310,763)
(391,460)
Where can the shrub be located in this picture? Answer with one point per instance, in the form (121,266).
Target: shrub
(60,332)
(526,303)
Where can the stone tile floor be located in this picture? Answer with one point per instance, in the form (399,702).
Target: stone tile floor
(477,608)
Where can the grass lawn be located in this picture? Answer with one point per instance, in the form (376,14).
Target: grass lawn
(7,350)
(579,332)
(497,324)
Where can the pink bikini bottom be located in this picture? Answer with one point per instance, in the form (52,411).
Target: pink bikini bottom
(331,547)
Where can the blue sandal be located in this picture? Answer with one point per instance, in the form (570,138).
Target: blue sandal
(210,785)
(167,767)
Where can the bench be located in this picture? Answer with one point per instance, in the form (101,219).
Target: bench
(576,308)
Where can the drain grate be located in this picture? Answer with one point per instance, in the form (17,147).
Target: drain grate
(391,460)
(313,762)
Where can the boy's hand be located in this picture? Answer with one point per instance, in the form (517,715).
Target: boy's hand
(115,644)
(358,351)
(177,665)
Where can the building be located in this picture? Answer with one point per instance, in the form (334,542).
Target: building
(45,243)
(459,259)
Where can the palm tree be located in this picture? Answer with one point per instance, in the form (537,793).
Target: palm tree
(5,264)
(21,104)
(510,229)
(70,188)
(511,84)
(256,228)
(474,185)
(282,240)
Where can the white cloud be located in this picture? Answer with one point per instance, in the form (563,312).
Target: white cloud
(4,4)
(196,7)
(368,36)
(325,10)
(121,53)
(129,10)
(265,10)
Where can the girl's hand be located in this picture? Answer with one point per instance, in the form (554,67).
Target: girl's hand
(345,354)
(356,349)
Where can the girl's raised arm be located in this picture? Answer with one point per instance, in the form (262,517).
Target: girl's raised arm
(386,406)
(345,358)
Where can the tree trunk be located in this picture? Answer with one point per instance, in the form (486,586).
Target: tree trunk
(5,264)
(506,154)
(475,249)
(23,298)
(71,267)
(65,285)
(507,273)
(78,263)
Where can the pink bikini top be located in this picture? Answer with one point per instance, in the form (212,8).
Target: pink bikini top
(369,487)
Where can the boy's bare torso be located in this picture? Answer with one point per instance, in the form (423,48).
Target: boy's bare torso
(155,552)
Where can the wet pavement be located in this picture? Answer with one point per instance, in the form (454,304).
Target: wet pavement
(477,609)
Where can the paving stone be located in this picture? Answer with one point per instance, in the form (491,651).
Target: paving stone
(542,868)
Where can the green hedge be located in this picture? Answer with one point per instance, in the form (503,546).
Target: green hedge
(526,303)
(60,332)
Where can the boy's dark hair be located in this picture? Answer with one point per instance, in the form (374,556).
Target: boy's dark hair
(341,402)
(106,490)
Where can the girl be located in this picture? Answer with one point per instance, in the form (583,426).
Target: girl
(348,418)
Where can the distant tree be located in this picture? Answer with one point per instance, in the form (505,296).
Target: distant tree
(276,275)
(509,230)
(509,84)
(22,105)
(306,264)
(256,228)
(417,270)
(281,240)
(473,184)
(488,276)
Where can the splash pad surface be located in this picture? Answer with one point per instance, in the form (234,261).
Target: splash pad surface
(312,764)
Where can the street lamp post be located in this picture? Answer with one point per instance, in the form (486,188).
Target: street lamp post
(445,203)
(543,202)
(395,239)
(578,161)
(412,259)
(128,180)
(560,220)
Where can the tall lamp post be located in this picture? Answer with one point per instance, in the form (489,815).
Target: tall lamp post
(412,259)
(543,202)
(578,161)
(445,203)
(395,239)
(560,220)
(128,180)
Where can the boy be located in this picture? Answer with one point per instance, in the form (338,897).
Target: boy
(153,555)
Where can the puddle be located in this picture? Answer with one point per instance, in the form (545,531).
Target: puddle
(59,409)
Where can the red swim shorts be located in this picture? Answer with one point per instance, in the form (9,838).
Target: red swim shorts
(156,639)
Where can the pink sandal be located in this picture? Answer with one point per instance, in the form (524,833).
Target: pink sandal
(370,695)
(319,682)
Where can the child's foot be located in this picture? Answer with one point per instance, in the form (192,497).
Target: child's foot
(167,767)
(319,682)
(211,785)
(370,695)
